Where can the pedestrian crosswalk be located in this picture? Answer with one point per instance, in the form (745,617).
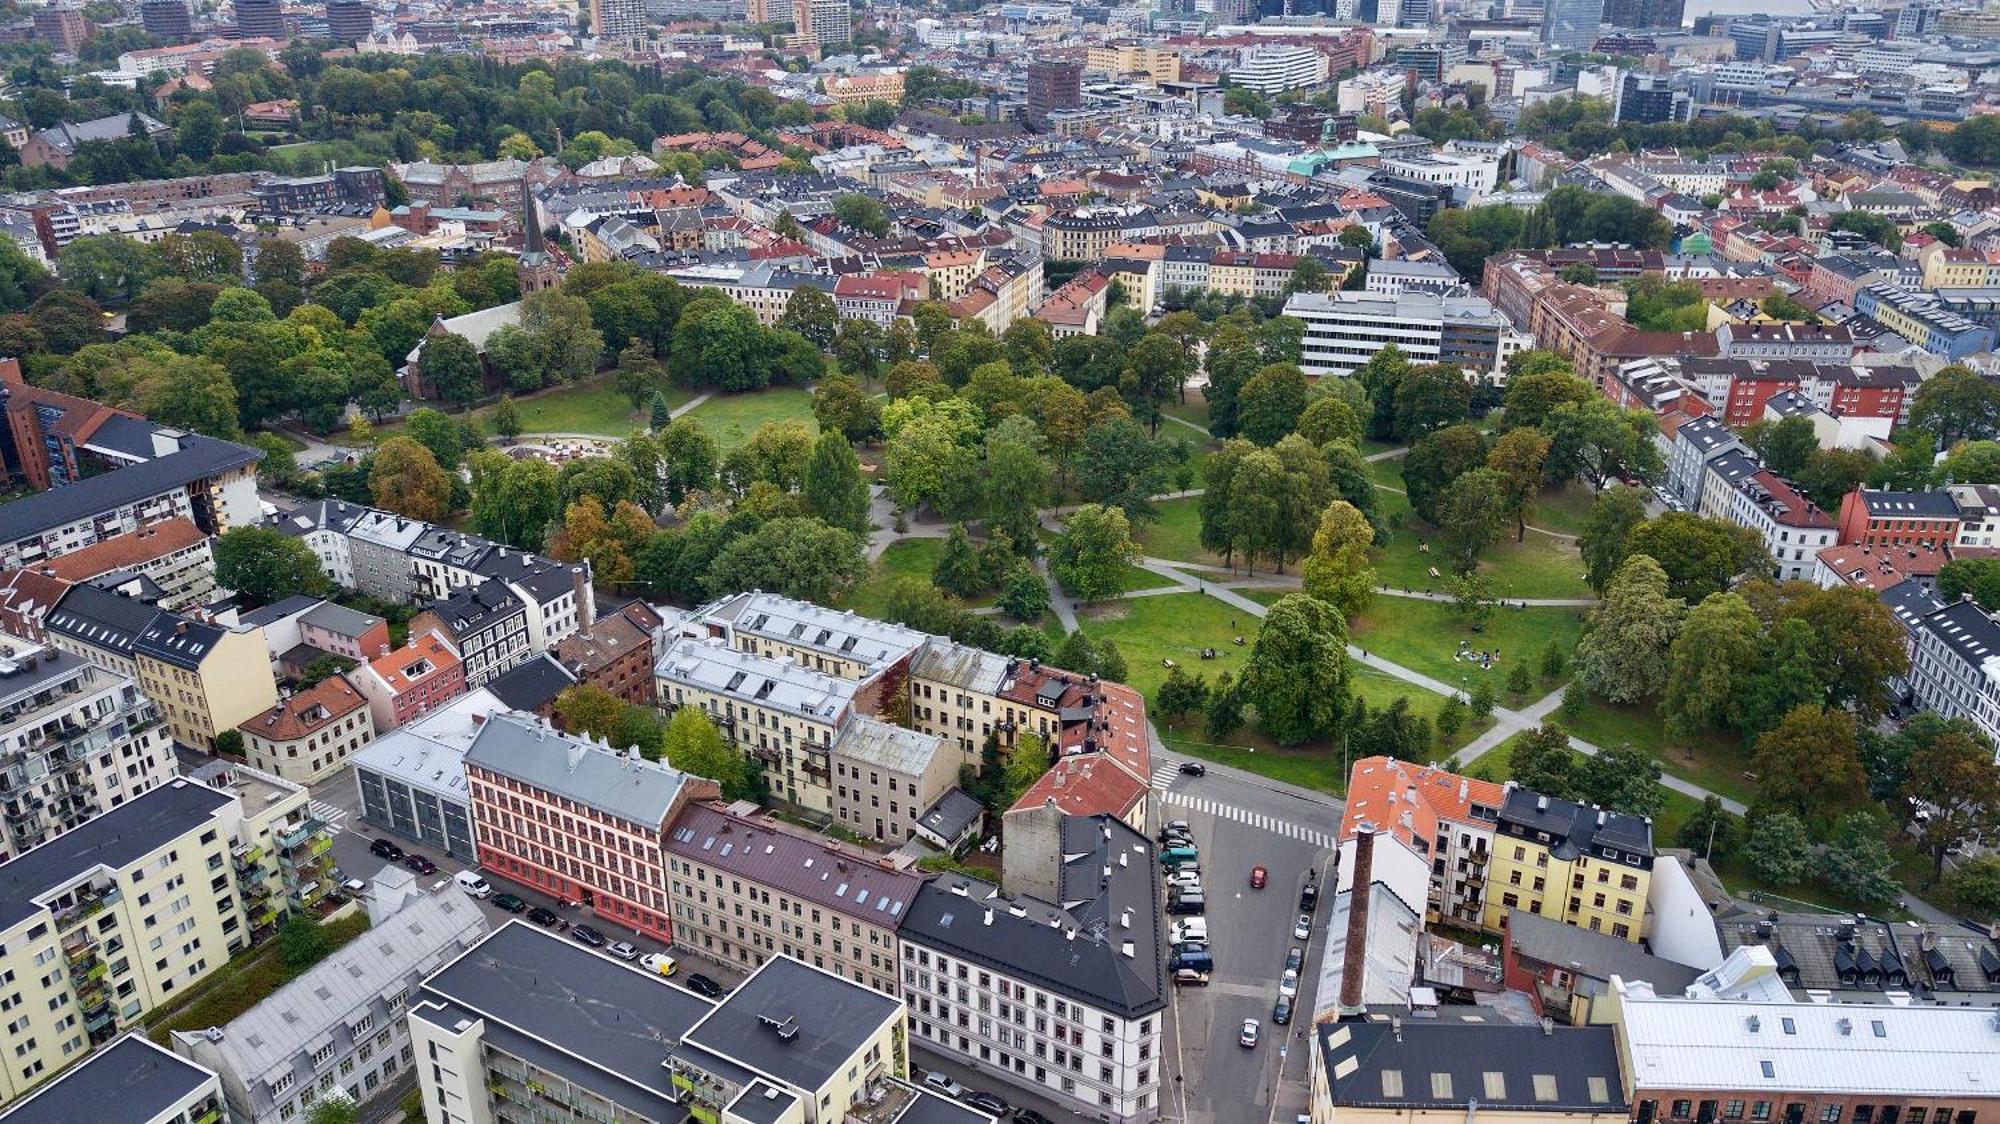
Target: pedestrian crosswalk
(330,815)
(1163,775)
(1276,825)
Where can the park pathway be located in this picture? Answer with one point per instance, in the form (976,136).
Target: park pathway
(1506,722)
(1183,421)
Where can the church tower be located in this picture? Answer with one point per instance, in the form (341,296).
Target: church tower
(537,270)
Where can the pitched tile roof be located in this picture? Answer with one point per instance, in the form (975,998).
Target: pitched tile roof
(308,712)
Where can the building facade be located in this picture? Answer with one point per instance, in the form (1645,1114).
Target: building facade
(310,735)
(1572,863)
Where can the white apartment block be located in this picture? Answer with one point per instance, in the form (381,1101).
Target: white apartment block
(1345,330)
(75,742)
(1273,69)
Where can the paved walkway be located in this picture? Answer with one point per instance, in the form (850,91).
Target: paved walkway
(1183,421)
(1387,454)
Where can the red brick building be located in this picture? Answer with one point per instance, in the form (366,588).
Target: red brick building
(45,429)
(411,681)
(575,819)
(615,652)
(1898,519)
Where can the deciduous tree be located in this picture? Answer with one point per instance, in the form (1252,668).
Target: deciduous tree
(1809,765)
(1337,570)
(1296,676)
(265,565)
(406,479)
(1091,554)
(1623,654)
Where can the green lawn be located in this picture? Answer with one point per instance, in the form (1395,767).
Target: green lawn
(1538,566)
(1387,474)
(1370,447)
(1176,534)
(592,406)
(1135,578)
(1195,410)
(732,418)
(907,558)
(1424,636)
(1563,509)
(1714,763)
(1178,626)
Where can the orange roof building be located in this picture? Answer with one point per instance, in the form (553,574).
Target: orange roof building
(174,554)
(309,735)
(1445,818)
(411,681)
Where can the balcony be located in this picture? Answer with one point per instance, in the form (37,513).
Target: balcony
(248,856)
(210,1116)
(289,838)
(88,904)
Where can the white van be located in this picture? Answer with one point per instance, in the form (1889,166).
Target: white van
(471,883)
(658,962)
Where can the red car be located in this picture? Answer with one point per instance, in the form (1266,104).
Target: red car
(1258,877)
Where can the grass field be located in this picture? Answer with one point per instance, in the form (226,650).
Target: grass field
(1563,509)
(592,406)
(1538,566)
(907,558)
(1195,410)
(732,418)
(1176,533)
(1178,626)
(1714,763)
(1424,636)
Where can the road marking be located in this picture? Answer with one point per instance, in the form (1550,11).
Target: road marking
(1259,820)
(333,817)
(1163,775)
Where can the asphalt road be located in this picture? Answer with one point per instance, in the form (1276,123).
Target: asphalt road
(1241,821)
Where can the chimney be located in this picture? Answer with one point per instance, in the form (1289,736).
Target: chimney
(1355,956)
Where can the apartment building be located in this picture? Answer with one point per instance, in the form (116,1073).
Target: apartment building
(1446,819)
(1380,1072)
(411,681)
(1955,664)
(955,695)
(136,475)
(1274,68)
(1697,443)
(746,888)
(486,624)
(1793,528)
(1345,330)
(206,678)
(517,1027)
(340,1028)
(343,631)
(173,554)
(310,735)
(283,859)
(412,781)
(1732,1060)
(575,819)
(1158,63)
(1813,342)
(884,776)
(1923,320)
(146,1081)
(615,653)
(1898,519)
(1571,862)
(75,742)
(1067,999)
(780,713)
(107,920)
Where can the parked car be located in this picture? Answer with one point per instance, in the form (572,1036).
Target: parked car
(386,849)
(1248,1036)
(1198,959)
(1288,984)
(1187,878)
(1303,930)
(703,986)
(1309,898)
(1181,855)
(623,950)
(1295,959)
(544,917)
(1189,977)
(659,962)
(510,903)
(944,1083)
(1194,769)
(589,936)
(471,883)
(1258,876)
(1185,905)
(1190,929)
(988,1102)
(1030,1116)
(1281,1011)
(353,887)
(420,864)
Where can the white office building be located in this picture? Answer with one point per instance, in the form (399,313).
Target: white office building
(1273,69)
(1345,330)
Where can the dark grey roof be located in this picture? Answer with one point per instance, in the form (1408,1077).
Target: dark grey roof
(793,1023)
(531,685)
(929,1108)
(954,813)
(113,840)
(340,620)
(100,618)
(1414,1064)
(603,1024)
(1911,601)
(802,865)
(271,614)
(762,1103)
(178,640)
(1909,505)
(1964,628)
(123,434)
(1078,952)
(131,1079)
(1597,955)
(476,608)
(1579,828)
(198,458)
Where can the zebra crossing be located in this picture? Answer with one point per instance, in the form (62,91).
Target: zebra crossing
(1165,775)
(333,816)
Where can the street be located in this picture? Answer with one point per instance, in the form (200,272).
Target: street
(1240,821)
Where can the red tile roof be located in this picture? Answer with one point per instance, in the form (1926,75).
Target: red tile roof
(124,551)
(308,712)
